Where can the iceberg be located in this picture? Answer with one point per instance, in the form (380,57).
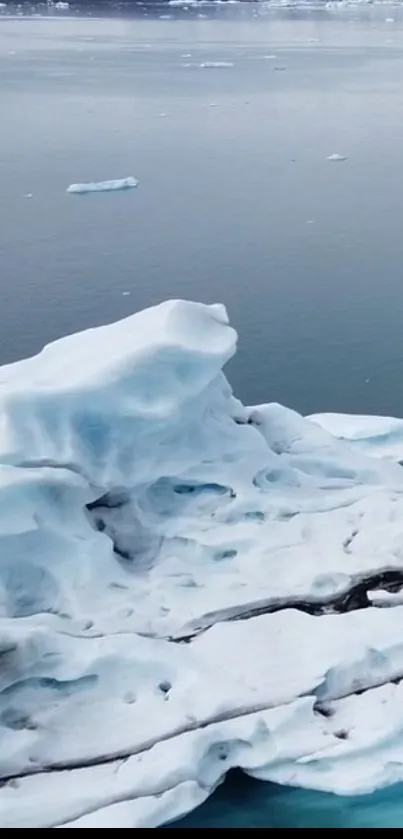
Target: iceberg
(187,584)
(103,186)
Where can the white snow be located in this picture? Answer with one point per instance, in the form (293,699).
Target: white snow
(336,158)
(376,436)
(142,505)
(103,186)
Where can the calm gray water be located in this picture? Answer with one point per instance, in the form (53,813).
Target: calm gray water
(231,178)
(237,203)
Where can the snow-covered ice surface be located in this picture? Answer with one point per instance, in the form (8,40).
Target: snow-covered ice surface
(376,436)
(104,186)
(186,584)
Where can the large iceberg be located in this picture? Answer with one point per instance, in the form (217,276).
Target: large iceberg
(187,584)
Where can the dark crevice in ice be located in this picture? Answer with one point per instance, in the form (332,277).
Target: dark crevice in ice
(351,600)
(111,500)
(134,545)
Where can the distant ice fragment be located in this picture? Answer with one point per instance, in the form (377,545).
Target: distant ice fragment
(389,20)
(103,186)
(28,195)
(60,5)
(336,158)
(213,64)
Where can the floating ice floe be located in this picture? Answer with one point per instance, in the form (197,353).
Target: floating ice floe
(216,64)
(194,3)
(103,186)
(143,506)
(336,158)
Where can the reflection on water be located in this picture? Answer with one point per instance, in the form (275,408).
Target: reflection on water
(243,802)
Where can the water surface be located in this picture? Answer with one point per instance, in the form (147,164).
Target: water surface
(242,802)
(237,201)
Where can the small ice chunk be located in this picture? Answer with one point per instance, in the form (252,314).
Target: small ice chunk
(213,64)
(336,158)
(389,20)
(28,195)
(126,293)
(61,5)
(186,55)
(103,186)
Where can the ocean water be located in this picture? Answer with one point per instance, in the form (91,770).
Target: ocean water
(237,202)
(243,802)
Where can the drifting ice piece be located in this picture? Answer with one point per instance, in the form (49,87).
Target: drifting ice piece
(103,186)
(210,65)
(336,158)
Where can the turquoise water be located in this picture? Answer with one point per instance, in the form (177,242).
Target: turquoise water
(243,802)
